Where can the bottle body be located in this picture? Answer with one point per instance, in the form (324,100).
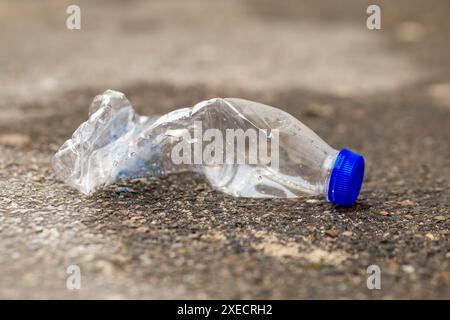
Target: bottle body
(291,160)
(243,148)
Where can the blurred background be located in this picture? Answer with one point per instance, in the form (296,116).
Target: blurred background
(316,45)
(384,93)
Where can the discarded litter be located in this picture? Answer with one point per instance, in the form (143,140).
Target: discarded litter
(243,148)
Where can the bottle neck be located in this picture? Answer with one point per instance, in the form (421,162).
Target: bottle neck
(327,167)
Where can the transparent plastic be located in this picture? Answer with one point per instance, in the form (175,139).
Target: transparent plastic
(116,143)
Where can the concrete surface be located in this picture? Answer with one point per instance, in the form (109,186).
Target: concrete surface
(383,93)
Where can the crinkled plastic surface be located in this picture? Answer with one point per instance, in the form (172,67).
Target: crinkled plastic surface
(116,143)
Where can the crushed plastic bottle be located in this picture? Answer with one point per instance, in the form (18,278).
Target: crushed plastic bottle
(117,143)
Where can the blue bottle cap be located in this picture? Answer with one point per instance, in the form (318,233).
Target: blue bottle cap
(346,178)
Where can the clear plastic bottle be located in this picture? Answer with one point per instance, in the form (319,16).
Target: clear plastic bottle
(290,160)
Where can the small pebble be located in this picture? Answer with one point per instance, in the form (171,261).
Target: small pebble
(331,233)
(406,203)
(429,236)
(408,268)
